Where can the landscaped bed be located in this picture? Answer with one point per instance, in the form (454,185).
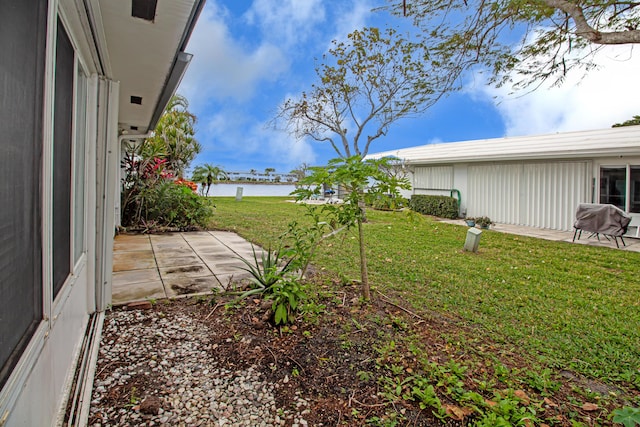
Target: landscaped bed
(526,331)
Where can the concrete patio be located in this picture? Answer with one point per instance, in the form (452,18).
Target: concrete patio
(632,244)
(159,266)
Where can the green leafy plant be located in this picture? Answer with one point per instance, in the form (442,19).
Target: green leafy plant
(287,294)
(627,416)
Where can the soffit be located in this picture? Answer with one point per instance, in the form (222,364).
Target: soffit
(141,54)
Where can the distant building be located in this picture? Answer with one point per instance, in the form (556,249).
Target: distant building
(536,181)
(262,177)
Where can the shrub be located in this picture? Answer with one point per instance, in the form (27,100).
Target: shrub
(168,204)
(440,206)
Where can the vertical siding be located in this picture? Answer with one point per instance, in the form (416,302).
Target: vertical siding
(543,195)
(552,191)
(436,177)
(494,191)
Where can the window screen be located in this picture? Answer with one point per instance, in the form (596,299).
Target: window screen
(613,186)
(22,43)
(634,182)
(62,139)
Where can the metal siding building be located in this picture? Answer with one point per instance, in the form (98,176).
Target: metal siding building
(536,181)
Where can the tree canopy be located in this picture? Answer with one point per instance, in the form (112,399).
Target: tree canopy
(365,84)
(634,121)
(173,139)
(521,41)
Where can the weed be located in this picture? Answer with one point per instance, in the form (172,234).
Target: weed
(629,417)
(542,381)
(133,398)
(364,375)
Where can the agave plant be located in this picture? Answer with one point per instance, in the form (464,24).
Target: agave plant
(267,270)
(273,277)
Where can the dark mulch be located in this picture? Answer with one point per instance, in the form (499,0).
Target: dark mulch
(339,360)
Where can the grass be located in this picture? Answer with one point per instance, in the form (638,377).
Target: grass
(572,306)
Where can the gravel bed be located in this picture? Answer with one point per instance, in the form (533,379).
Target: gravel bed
(167,367)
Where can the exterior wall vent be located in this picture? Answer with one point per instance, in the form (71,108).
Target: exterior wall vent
(136,100)
(144,9)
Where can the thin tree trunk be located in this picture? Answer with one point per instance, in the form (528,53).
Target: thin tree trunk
(366,291)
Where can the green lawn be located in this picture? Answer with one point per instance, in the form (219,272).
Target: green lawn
(571,306)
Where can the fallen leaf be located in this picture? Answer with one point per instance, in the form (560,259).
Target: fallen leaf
(520,394)
(490,403)
(550,402)
(455,412)
(590,407)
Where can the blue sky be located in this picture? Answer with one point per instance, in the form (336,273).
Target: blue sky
(249,56)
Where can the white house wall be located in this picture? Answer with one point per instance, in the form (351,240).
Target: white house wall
(494,191)
(543,195)
(36,391)
(433,178)
(551,193)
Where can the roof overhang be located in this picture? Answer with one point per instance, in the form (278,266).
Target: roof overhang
(145,55)
(613,142)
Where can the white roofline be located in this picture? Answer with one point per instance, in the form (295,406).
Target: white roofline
(622,141)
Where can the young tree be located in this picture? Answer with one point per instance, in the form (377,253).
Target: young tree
(353,175)
(365,84)
(207,175)
(521,41)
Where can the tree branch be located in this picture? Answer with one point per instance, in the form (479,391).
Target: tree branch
(584,29)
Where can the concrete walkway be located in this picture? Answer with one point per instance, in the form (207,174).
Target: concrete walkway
(166,265)
(632,244)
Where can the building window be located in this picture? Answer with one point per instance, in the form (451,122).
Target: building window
(634,189)
(62,143)
(620,186)
(22,43)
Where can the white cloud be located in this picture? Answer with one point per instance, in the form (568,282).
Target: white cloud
(222,68)
(353,19)
(605,96)
(233,132)
(289,22)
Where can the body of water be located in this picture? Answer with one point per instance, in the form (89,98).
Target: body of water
(224,190)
